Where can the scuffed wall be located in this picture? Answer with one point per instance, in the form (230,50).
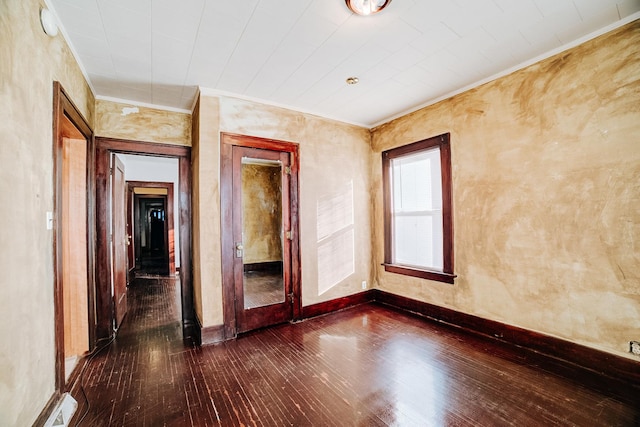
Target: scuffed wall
(262,213)
(30,62)
(125,121)
(546,188)
(334,165)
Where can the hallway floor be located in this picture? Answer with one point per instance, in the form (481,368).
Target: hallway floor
(366,366)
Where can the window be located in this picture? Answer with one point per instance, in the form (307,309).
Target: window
(418,222)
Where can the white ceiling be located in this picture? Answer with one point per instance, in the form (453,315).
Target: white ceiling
(298,53)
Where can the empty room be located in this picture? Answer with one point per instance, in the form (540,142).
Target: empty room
(320,212)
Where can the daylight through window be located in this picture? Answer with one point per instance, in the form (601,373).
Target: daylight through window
(418,225)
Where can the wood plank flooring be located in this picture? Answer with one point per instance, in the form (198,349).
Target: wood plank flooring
(366,366)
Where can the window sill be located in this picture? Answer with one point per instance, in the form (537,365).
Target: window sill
(438,276)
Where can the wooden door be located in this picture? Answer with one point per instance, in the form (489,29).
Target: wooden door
(118,239)
(262,238)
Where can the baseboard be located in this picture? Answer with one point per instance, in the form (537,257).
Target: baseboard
(192,331)
(212,335)
(330,306)
(275,266)
(209,335)
(594,367)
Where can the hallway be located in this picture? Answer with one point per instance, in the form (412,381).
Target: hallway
(369,366)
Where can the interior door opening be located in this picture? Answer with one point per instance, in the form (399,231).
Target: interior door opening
(73,218)
(151,236)
(149,175)
(73,237)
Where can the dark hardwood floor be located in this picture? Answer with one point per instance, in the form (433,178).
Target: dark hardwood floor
(366,366)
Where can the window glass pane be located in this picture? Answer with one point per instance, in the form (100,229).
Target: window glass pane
(416,181)
(418,240)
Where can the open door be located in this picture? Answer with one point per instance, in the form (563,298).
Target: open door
(262,238)
(119,239)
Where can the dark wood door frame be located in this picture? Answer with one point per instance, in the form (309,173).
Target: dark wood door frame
(64,107)
(105,146)
(228,141)
(169,210)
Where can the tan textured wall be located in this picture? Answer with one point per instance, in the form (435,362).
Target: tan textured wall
(148,124)
(207,270)
(30,62)
(333,156)
(546,187)
(262,213)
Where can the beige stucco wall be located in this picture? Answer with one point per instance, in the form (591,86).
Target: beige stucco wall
(30,62)
(207,261)
(147,124)
(333,156)
(546,188)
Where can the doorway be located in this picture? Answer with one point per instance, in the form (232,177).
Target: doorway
(152,251)
(261,266)
(73,248)
(127,149)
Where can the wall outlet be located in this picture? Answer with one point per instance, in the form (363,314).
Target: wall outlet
(634,347)
(364,284)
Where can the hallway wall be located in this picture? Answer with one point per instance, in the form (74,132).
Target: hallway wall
(137,123)
(30,62)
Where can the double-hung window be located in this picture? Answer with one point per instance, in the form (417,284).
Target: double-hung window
(417,209)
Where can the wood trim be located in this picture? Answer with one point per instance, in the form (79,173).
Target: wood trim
(257,142)
(226,239)
(48,409)
(275,266)
(593,367)
(212,335)
(104,146)
(337,304)
(442,142)
(64,107)
(421,273)
(184,206)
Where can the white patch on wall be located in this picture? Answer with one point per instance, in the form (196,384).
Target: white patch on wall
(336,238)
(130,110)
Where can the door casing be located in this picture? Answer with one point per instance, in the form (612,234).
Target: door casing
(228,141)
(104,310)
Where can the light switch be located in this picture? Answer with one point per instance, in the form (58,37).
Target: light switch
(49,220)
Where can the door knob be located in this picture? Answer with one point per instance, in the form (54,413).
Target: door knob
(239,249)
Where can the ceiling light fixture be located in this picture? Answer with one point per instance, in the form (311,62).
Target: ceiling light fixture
(352,80)
(367,7)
